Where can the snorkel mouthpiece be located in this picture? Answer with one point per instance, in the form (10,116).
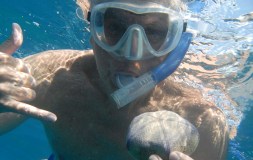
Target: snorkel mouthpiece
(143,84)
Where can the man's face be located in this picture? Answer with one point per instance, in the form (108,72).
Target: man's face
(116,23)
(108,66)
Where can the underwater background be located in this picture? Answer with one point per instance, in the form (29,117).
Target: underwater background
(219,62)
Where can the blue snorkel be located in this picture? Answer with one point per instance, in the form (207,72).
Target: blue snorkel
(143,84)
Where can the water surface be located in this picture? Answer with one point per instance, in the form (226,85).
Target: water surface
(218,63)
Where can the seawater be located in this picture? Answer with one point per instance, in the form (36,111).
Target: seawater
(219,63)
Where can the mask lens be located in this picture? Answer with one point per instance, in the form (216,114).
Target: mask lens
(114,26)
(135,31)
(156,28)
(117,21)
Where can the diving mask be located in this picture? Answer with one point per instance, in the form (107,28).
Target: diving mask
(155,32)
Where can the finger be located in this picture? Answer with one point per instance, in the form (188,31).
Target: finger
(28,110)
(16,92)
(18,64)
(175,155)
(14,41)
(8,74)
(154,157)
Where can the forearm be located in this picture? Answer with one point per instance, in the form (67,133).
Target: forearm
(9,121)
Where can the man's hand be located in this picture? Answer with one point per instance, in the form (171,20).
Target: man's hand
(16,82)
(173,156)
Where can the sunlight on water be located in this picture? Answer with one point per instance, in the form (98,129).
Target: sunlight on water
(219,58)
(220,63)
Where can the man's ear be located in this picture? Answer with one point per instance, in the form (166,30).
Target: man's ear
(85,6)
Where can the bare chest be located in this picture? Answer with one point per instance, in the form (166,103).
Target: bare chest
(88,125)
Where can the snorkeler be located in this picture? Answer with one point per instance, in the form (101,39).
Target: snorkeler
(100,95)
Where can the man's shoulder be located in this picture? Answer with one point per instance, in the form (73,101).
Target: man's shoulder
(47,64)
(174,90)
(58,55)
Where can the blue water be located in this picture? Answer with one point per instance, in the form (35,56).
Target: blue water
(53,24)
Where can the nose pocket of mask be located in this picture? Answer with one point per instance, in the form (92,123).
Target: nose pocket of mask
(134,43)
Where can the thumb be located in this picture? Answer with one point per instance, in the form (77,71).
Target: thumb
(175,155)
(154,157)
(14,41)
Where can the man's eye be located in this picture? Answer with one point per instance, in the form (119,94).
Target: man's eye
(155,34)
(113,32)
(151,31)
(116,28)
(157,31)
(156,37)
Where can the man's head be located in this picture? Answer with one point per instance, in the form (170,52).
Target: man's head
(131,38)
(174,4)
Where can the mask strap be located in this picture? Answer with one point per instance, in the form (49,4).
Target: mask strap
(88,16)
(80,14)
(185,27)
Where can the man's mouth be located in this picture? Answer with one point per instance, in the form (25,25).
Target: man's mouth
(123,74)
(128,72)
(122,79)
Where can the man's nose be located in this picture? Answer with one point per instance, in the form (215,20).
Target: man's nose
(135,49)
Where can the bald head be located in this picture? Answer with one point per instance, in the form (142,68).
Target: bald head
(174,4)
(178,5)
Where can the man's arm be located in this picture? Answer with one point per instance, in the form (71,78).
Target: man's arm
(173,156)
(9,121)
